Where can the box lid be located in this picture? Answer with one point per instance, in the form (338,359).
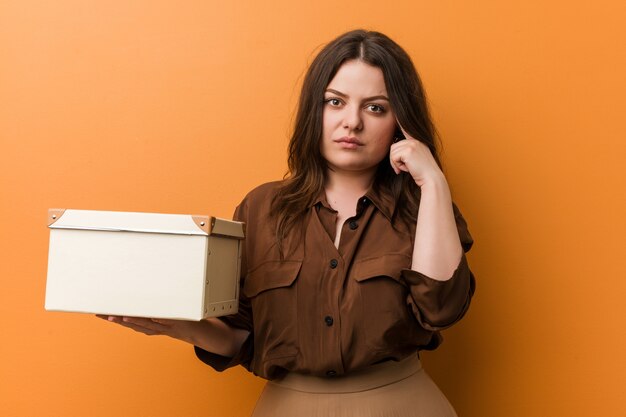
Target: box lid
(120,221)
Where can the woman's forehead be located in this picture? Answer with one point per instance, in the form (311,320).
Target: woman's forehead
(358,78)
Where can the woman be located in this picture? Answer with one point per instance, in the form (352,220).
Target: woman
(347,280)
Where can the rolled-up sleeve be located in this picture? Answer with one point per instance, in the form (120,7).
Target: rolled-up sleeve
(437,304)
(221,363)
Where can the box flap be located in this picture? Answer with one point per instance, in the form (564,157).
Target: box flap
(131,222)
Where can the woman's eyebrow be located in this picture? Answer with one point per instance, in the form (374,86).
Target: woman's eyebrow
(340,94)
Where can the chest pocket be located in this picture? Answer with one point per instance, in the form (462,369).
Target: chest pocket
(386,266)
(272,293)
(270,275)
(382,296)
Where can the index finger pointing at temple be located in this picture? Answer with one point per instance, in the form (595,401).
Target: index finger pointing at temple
(404,132)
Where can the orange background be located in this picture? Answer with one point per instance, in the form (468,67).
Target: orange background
(182,107)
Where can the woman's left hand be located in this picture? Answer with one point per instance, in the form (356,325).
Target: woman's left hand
(412,156)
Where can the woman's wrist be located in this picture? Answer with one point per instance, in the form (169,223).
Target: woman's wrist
(435,183)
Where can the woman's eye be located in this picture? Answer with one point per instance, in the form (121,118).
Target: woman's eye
(375,108)
(333,101)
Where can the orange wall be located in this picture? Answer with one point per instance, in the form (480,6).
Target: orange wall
(182,107)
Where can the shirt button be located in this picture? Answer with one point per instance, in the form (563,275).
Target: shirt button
(333,263)
(353,225)
(331,373)
(329,321)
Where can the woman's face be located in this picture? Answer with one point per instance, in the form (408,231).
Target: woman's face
(358,121)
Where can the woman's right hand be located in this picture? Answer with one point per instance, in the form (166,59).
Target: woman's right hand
(210,334)
(177,329)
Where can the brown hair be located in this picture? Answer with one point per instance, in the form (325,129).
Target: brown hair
(307,168)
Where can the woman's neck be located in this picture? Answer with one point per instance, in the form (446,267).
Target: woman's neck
(344,189)
(348,183)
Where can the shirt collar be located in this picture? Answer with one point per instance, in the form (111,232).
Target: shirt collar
(382,199)
(321,199)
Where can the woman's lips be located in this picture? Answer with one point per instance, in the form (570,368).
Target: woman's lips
(348,142)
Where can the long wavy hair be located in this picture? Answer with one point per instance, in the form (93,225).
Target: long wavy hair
(306,175)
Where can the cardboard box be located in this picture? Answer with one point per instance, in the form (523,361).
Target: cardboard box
(143,264)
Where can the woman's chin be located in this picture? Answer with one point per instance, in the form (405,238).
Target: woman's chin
(352,168)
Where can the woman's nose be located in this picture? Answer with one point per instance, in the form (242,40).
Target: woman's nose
(352,119)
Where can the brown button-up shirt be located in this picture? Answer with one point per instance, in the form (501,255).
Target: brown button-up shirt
(324,310)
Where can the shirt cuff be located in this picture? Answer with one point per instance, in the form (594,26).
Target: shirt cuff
(221,363)
(439,304)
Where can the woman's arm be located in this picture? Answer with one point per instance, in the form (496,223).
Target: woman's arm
(212,335)
(440,282)
(437,250)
